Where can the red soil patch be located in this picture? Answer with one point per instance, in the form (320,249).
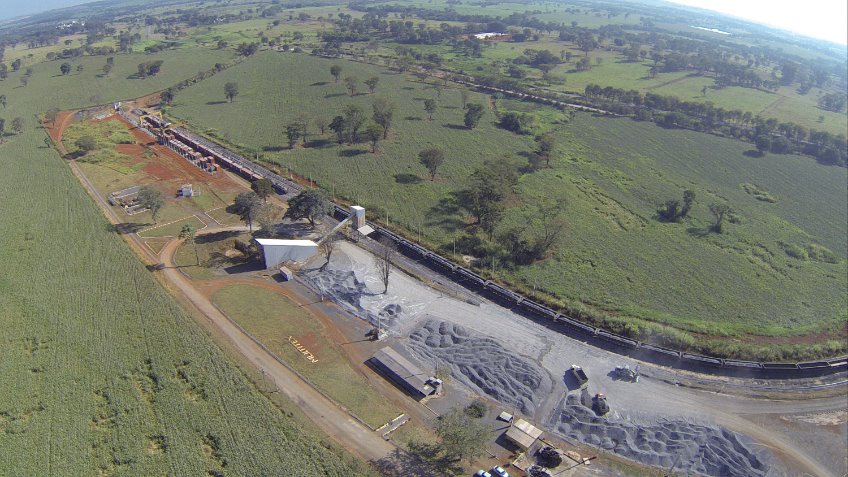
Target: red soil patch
(57,129)
(308,341)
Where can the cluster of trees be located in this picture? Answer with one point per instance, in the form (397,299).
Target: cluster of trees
(766,134)
(149,68)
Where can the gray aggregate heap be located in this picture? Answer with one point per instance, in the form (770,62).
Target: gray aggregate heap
(483,364)
(697,448)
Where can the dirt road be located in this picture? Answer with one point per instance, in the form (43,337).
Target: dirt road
(335,422)
(327,415)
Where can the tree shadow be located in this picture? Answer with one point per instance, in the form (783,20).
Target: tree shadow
(273,148)
(450,107)
(753,153)
(319,143)
(319,83)
(457,127)
(447,213)
(407,179)
(217,236)
(334,95)
(423,460)
(413,118)
(212,103)
(352,152)
(699,232)
(127,228)
(409,88)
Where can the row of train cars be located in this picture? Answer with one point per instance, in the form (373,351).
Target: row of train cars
(199,146)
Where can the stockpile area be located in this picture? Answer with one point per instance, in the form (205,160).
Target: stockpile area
(689,447)
(482,364)
(345,288)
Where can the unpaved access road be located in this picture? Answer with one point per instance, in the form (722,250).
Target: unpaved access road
(331,419)
(337,423)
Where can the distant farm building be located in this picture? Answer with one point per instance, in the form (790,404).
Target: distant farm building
(280,251)
(523,434)
(493,36)
(401,371)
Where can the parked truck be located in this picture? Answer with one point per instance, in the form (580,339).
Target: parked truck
(579,375)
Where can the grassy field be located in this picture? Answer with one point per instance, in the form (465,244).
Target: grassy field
(613,175)
(103,373)
(273,319)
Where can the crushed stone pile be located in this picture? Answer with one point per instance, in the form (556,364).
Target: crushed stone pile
(482,363)
(344,288)
(696,448)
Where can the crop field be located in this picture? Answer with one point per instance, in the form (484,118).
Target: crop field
(104,374)
(613,175)
(272,318)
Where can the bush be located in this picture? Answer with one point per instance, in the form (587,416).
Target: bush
(477,409)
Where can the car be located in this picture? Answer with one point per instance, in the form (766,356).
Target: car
(499,471)
(482,473)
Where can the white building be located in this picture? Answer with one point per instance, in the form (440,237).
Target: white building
(280,251)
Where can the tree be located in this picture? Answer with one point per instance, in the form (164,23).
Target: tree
(720,212)
(337,125)
(292,134)
(18,125)
(462,436)
(489,185)
(187,233)
(383,112)
(65,68)
(383,258)
(16,65)
(374,132)
(430,107)
(51,116)
(2,130)
(463,97)
(167,96)
(763,143)
(3,100)
(152,199)
(354,117)
(336,71)
(86,144)
(311,204)
(550,457)
(321,123)
(264,188)
(351,84)
(372,83)
(473,113)
(265,216)
(688,200)
(247,49)
(431,158)
(246,205)
(107,68)
(231,90)
(546,143)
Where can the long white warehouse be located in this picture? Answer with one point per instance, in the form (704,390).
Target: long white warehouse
(279,251)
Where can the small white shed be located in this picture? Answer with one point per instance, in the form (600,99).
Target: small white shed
(279,251)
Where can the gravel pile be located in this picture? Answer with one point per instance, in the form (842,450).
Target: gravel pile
(482,364)
(344,288)
(692,447)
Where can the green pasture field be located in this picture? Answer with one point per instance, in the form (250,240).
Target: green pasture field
(613,174)
(272,318)
(104,374)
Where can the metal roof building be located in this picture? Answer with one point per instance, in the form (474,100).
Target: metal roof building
(279,251)
(523,434)
(402,372)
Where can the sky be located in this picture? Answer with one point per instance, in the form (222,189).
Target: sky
(822,19)
(16,8)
